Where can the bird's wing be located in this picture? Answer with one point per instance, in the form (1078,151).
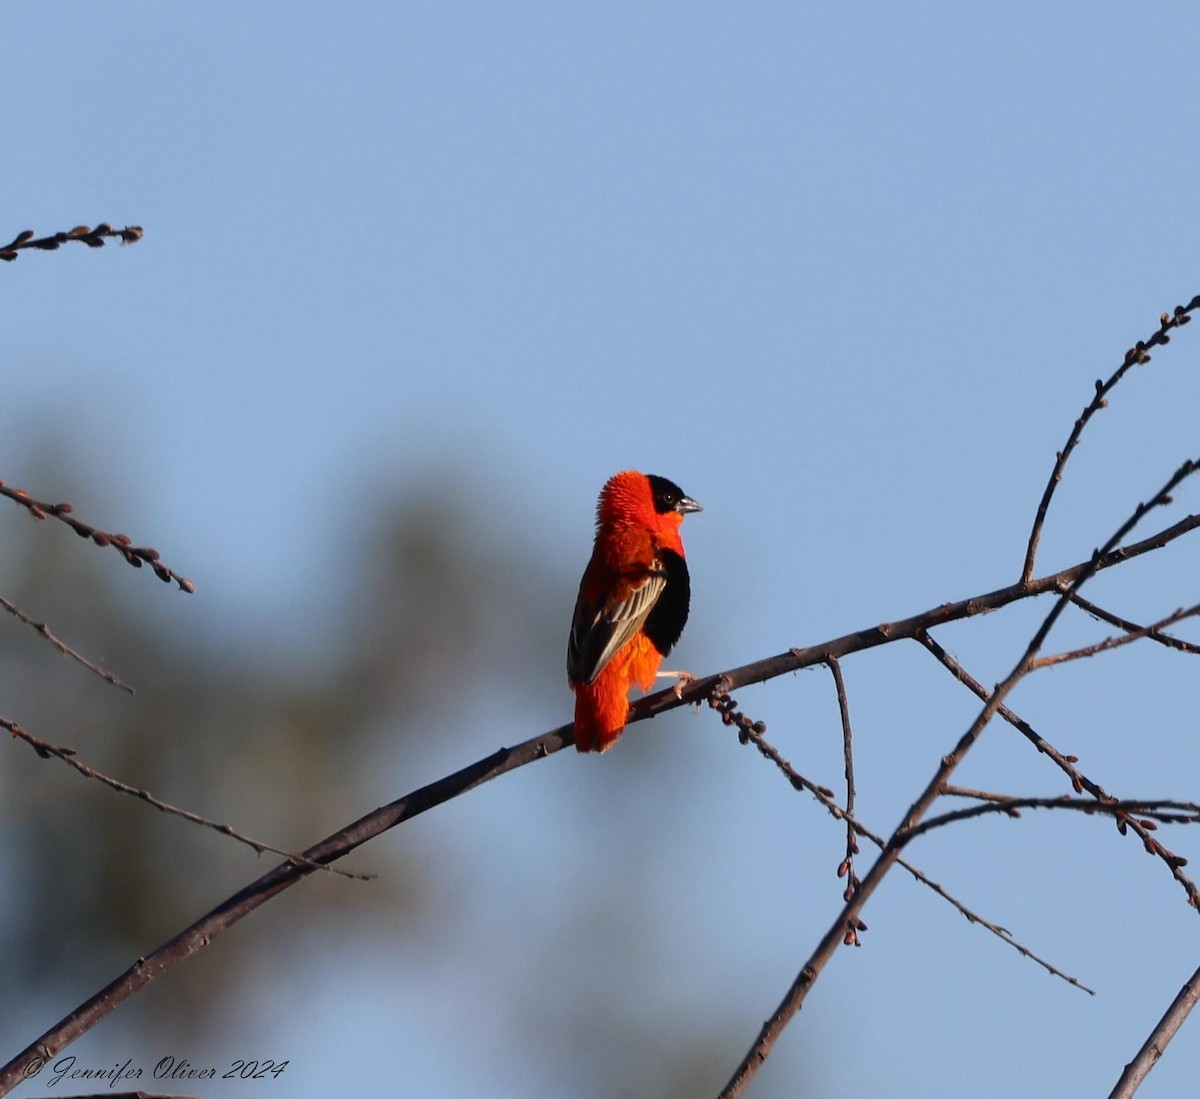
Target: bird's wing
(598,631)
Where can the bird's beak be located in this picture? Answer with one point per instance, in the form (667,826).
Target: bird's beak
(686,504)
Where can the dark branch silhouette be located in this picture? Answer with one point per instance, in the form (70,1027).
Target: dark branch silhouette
(1110,643)
(122,543)
(846,867)
(93,238)
(753,732)
(1079,781)
(1152,1049)
(1137,355)
(1166,639)
(1152,811)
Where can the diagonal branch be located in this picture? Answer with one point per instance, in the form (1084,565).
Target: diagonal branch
(122,543)
(62,646)
(93,238)
(1152,1049)
(1079,781)
(752,732)
(1166,639)
(1135,356)
(47,750)
(1066,764)
(1110,643)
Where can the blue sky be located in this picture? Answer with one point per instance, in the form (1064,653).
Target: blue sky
(847,274)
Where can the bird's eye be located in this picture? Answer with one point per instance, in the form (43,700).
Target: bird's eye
(667,495)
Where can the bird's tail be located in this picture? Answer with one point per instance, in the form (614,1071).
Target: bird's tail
(600,711)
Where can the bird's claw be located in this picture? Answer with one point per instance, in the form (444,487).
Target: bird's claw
(682,681)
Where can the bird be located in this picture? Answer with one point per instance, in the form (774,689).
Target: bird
(632,605)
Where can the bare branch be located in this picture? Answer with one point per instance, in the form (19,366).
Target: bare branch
(1066,764)
(1152,1049)
(1132,627)
(751,732)
(1135,356)
(846,869)
(122,543)
(93,238)
(1079,781)
(68,756)
(62,646)
(1001,933)
(1110,643)
(952,791)
(1155,810)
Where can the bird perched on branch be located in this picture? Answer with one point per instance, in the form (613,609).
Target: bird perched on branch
(632,605)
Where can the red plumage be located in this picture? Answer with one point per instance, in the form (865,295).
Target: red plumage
(632,605)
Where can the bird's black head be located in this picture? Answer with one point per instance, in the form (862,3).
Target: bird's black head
(668,496)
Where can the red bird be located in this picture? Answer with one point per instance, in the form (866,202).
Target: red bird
(632,605)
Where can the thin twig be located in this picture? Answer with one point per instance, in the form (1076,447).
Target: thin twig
(1132,627)
(122,543)
(62,646)
(45,749)
(1116,642)
(1164,810)
(1079,781)
(752,732)
(1065,763)
(846,869)
(93,238)
(1001,933)
(952,791)
(1154,811)
(1135,356)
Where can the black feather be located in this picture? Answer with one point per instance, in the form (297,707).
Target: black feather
(666,621)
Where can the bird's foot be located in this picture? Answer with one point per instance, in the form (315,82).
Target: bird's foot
(682,680)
